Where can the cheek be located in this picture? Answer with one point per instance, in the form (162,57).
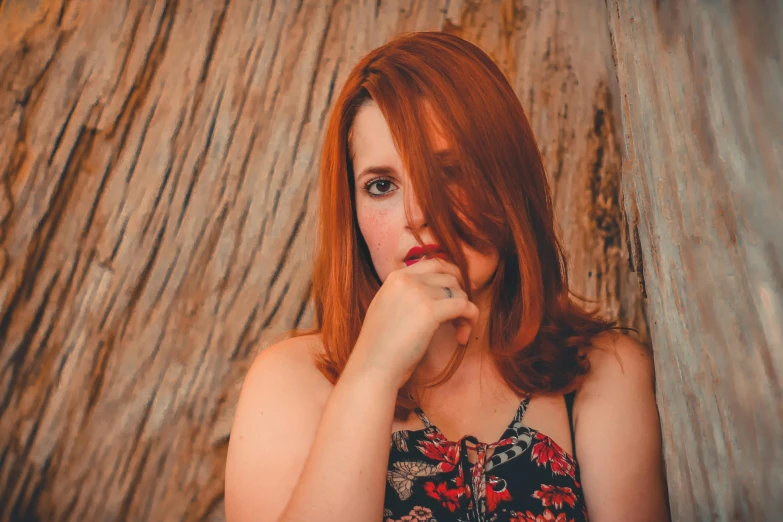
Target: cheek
(374,225)
(481,267)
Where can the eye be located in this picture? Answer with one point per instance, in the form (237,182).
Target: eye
(378,183)
(451,172)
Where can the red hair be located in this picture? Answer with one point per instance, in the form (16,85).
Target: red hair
(493,174)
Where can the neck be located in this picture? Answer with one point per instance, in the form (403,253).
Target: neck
(442,348)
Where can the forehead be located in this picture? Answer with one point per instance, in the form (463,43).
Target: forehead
(372,143)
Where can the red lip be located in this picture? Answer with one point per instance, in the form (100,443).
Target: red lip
(419,251)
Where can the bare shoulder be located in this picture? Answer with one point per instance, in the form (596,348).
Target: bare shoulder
(293,357)
(291,364)
(621,375)
(618,360)
(276,418)
(616,420)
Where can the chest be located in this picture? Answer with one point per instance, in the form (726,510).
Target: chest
(485,418)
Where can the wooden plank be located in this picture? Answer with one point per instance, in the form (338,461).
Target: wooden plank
(702,86)
(157,165)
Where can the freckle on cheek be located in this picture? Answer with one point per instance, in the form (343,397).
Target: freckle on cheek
(376,223)
(377,218)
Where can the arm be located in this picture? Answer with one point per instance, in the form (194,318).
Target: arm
(291,459)
(618,434)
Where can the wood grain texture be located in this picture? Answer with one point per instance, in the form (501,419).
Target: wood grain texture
(702,86)
(158,161)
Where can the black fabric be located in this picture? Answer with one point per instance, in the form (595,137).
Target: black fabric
(523,477)
(569,400)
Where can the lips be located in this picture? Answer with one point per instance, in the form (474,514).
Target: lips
(416,253)
(410,262)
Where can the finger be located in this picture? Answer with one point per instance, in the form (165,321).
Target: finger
(470,321)
(455,308)
(441,280)
(437,265)
(430,264)
(464,329)
(438,292)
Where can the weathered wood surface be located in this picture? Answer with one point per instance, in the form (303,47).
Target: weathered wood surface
(702,91)
(158,167)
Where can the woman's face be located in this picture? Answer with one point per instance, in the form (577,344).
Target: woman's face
(379,171)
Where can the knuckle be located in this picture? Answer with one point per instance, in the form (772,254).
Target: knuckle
(401,279)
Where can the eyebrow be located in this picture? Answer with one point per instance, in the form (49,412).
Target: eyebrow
(444,157)
(382,170)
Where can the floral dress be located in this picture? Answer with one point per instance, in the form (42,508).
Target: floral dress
(523,477)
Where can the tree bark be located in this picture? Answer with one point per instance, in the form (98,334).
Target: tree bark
(702,88)
(158,163)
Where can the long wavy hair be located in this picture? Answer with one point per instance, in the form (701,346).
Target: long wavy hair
(489,192)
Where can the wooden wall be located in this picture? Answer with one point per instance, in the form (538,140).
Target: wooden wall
(702,111)
(158,168)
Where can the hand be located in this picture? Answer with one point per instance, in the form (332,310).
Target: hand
(405,313)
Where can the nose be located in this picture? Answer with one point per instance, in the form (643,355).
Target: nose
(417,220)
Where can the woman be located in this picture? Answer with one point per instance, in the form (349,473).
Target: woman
(450,377)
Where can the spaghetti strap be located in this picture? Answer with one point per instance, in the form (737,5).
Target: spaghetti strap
(423,417)
(420,413)
(569,400)
(522,409)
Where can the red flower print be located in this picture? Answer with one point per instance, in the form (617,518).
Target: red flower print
(548,452)
(496,493)
(546,516)
(460,483)
(555,496)
(449,498)
(447,454)
(543,451)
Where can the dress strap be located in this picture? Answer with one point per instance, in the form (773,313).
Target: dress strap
(569,401)
(522,409)
(423,417)
(420,412)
